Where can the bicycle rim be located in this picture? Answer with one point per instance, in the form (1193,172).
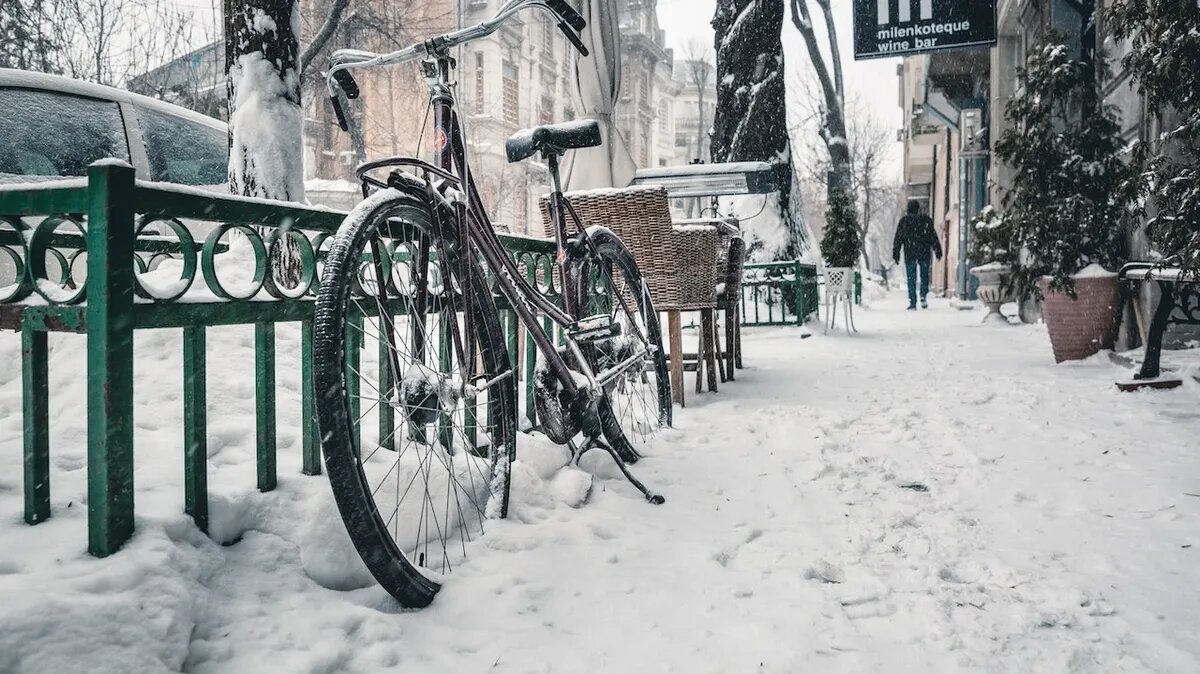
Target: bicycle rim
(417,458)
(637,403)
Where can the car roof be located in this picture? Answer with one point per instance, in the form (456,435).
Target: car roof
(26,79)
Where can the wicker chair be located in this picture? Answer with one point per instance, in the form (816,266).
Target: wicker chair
(678,263)
(731,257)
(730,263)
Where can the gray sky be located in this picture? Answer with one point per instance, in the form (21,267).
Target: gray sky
(873,83)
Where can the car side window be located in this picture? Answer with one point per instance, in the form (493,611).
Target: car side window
(181,151)
(47,133)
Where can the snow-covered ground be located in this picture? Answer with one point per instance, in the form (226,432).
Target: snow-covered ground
(930,495)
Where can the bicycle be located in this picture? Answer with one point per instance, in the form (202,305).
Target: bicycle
(418,267)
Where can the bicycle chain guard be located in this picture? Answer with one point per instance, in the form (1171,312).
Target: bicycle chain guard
(562,416)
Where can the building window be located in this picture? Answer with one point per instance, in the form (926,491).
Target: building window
(645,149)
(479,83)
(548,37)
(568,115)
(546,115)
(512,95)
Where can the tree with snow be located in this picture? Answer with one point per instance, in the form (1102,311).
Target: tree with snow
(832,115)
(1165,62)
(262,52)
(1065,149)
(841,245)
(266,142)
(870,143)
(751,117)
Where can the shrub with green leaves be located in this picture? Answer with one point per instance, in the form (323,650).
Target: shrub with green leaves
(1065,149)
(991,238)
(1164,60)
(841,244)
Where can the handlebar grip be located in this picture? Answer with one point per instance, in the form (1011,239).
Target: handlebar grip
(568,13)
(574,38)
(346,81)
(341,114)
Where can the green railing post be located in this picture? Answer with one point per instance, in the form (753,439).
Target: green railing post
(110,279)
(36,414)
(858,287)
(387,385)
(798,291)
(195,419)
(310,448)
(264,403)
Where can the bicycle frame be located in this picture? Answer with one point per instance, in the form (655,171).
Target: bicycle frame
(450,156)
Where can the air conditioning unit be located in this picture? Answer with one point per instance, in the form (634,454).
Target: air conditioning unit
(970,129)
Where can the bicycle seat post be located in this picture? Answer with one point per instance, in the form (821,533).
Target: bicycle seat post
(552,167)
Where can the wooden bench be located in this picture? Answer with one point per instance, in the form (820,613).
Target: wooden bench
(1179,303)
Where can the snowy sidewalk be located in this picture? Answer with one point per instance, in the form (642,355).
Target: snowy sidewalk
(930,495)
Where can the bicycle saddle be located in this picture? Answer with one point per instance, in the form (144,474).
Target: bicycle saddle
(553,139)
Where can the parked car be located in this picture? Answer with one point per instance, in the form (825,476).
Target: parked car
(53,127)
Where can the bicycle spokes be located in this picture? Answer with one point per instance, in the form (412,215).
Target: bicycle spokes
(428,460)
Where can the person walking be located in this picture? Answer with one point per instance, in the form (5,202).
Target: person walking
(916,238)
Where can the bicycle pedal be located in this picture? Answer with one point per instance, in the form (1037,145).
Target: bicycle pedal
(594,328)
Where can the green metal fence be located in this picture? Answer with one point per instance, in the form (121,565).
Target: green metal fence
(784,293)
(74,255)
(778,293)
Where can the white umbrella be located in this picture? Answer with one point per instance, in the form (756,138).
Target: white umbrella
(598,87)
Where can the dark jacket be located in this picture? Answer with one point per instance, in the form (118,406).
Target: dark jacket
(916,238)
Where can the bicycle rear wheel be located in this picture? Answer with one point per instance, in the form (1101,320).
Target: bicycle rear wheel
(405,332)
(637,402)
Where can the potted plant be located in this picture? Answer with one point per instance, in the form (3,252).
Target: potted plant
(991,245)
(840,246)
(1065,149)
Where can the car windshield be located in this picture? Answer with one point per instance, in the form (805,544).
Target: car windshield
(46,134)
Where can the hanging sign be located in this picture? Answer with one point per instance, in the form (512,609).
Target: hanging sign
(899,27)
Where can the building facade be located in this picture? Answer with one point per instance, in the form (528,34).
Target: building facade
(946,151)
(954,106)
(695,108)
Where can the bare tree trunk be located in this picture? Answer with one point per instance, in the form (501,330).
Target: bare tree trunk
(833,126)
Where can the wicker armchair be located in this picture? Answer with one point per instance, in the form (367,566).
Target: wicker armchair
(731,261)
(678,262)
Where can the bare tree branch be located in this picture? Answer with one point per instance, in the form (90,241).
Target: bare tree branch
(834,53)
(318,42)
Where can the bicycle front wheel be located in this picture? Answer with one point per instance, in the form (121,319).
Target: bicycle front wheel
(637,400)
(406,335)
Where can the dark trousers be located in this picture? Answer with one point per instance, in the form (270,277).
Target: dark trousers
(910,267)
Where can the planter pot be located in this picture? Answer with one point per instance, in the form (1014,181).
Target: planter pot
(992,292)
(1082,327)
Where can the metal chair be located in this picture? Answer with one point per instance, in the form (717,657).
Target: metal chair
(839,285)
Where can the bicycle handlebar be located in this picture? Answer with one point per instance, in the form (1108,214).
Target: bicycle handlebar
(343,60)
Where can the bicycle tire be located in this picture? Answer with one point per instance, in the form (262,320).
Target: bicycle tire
(637,412)
(407,217)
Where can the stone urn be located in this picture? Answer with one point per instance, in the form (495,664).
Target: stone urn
(1086,324)
(992,290)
